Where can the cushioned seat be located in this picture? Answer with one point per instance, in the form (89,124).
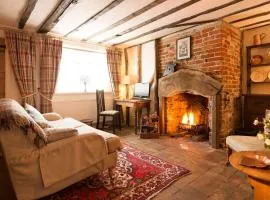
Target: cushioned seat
(109,112)
(113,141)
(244,143)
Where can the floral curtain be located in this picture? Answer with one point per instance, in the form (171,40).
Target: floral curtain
(114,63)
(50,50)
(22,52)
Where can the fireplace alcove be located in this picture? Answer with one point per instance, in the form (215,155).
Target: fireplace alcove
(193,82)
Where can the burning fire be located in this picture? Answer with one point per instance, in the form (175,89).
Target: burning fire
(188,118)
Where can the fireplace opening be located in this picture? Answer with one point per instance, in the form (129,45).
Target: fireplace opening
(188,115)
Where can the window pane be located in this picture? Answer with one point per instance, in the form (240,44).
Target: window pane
(80,68)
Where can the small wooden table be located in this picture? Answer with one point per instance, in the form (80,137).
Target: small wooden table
(258,178)
(138,104)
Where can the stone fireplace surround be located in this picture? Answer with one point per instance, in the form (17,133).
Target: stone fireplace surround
(194,82)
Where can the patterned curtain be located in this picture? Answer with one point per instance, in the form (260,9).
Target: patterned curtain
(114,64)
(22,53)
(50,50)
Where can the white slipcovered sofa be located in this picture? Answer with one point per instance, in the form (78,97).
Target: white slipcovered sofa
(36,172)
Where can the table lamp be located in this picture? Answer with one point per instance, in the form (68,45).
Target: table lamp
(126,81)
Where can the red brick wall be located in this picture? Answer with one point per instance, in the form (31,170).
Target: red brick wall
(216,51)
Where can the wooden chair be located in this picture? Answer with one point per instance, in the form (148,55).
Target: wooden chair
(101,111)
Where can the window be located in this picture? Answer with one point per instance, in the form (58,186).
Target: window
(82,71)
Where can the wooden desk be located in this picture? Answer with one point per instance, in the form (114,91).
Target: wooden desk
(138,104)
(258,178)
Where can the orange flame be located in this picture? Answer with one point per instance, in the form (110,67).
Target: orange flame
(188,118)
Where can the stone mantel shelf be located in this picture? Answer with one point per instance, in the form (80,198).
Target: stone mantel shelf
(190,81)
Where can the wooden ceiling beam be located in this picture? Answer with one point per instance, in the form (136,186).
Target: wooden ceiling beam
(230,14)
(127,18)
(163,36)
(257,27)
(194,23)
(53,18)
(26,13)
(182,20)
(259,22)
(96,15)
(169,12)
(247,9)
(250,17)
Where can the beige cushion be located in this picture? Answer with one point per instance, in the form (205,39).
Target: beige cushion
(113,141)
(244,143)
(109,112)
(37,116)
(52,116)
(54,134)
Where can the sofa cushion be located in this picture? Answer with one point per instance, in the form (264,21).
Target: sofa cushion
(37,116)
(12,114)
(54,134)
(244,143)
(113,141)
(52,116)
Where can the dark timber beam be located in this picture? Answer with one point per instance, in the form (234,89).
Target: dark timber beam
(127,18)
(251,17)
(53,18)
(247,9)
(182,20)
(169,12)
(257,27)
(178,31)
(97,15)
(259,22)
(27,12)
(194,23)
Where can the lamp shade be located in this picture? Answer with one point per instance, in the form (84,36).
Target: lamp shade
(126,80)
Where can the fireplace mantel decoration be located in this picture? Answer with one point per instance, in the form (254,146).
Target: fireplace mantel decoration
(193,82)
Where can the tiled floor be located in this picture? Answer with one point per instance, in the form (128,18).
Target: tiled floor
(209,179)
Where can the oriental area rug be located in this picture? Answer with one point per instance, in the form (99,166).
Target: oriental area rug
(137,176)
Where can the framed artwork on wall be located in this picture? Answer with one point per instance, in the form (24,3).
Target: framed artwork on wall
(183,48)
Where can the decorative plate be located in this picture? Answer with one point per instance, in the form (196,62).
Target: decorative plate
(258,76)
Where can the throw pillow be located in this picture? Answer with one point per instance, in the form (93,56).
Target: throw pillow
(37,116)
(54,134)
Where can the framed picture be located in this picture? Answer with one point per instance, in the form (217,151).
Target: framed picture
(183,48)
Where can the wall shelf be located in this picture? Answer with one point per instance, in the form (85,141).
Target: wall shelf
(262,50)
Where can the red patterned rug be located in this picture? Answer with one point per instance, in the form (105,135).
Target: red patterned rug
(138,175)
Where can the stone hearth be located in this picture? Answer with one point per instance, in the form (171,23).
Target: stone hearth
(192,82)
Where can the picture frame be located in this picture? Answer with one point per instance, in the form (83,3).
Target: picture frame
(183,48)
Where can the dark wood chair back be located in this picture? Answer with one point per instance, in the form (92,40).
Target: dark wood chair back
(100,101)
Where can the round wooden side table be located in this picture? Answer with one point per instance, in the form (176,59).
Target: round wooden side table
(258,178)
